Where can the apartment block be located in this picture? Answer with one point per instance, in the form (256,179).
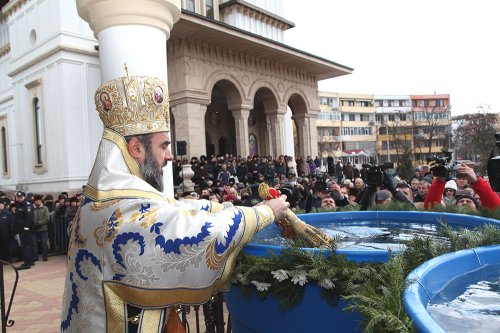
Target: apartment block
(380,128)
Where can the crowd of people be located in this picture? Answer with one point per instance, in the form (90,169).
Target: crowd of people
(24,218)
(24,224)
(227,178)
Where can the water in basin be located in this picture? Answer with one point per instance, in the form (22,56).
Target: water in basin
(470,302)
(362,235)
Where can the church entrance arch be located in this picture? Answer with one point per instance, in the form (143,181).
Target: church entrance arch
(298,107)
(219,122)
(265,104)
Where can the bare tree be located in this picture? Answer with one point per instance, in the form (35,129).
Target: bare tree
(474,136)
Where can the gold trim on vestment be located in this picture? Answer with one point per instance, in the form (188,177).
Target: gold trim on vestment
(116,311)
(101,195)
(151,321)
(120,141)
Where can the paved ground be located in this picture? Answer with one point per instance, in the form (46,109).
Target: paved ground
(38,298)
(37,302)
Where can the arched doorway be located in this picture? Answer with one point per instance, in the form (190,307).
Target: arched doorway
(219,122)
(298,106)
(265,103)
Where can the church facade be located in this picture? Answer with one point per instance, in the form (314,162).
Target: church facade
(234,87)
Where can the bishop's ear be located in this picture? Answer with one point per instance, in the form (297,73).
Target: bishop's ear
(135,148)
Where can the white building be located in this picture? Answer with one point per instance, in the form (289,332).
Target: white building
(226,61)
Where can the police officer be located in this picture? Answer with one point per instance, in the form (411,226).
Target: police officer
(5,230)
(24,222)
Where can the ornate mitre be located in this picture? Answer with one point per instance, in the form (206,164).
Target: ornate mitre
(133,105)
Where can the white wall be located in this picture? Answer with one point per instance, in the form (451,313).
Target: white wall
(64,61)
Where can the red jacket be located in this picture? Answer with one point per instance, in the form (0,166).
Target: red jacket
(488,198)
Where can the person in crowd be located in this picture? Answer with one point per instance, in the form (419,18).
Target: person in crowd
(40,232)
(414,186)
(224,174)
(341,197)
(302,167)
(313,168)
(482,188)
(313,200)
(462,182)
(406,190)
(348,171)
(450,190)
(468,200)
(330,165)
(328,203)
(383,197)
(130,244)
(6,225)
(292,167)
(23,221)
(339,172)
(423,189)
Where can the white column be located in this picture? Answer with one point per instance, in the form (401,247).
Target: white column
(133,33)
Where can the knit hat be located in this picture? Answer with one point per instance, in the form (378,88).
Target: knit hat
(468,196)
(451,184)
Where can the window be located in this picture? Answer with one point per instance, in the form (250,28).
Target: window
(36,118)
(379,118)
(38,131)
(351,103)
(352,117)
(363,104)
(190,5)
(426,103)
(3,147)
(379,102)
(392,117)
(209,8)
(326,115)
(401,102)
(402,117)
(390,102)
(341,103)
(364,117)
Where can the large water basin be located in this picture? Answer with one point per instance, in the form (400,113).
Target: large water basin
(456,292)
(252,315)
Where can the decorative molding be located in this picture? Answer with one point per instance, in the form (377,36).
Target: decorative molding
(12,6)
(200,51)
(104,14)
(51,52)
(260,14)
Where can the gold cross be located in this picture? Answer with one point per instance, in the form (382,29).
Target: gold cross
(126,68)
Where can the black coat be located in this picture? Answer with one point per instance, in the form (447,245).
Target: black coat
(6,221)
(24,217)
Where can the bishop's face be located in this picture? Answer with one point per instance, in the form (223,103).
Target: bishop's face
(156,155)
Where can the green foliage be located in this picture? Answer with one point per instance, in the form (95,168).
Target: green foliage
(373,289)
(380,302)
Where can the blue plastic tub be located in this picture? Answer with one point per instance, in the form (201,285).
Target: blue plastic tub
(429,279)
(315,314)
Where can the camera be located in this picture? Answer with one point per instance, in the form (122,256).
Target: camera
(374,174)
(292,194)
(494,166)
(441,166)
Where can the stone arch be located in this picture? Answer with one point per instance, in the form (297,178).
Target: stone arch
(293,97)
(260,84)
(230,84)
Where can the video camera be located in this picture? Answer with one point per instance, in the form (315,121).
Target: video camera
(374,174)
(494,166)
(292,194)
(441,166)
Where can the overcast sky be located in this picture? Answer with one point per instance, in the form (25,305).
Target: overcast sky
(405,47)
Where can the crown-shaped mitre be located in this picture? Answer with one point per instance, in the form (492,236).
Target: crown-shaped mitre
(133,105)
